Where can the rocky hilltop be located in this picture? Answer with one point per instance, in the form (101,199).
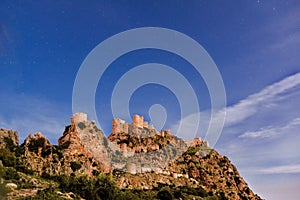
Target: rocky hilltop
(134,162)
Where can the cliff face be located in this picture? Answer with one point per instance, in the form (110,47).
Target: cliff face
(213,172)
(137,156)
(81,149)
(84,138)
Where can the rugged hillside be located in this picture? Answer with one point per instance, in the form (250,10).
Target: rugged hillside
(142,148)
(134,162)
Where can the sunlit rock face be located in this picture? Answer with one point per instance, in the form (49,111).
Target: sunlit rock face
(135,154)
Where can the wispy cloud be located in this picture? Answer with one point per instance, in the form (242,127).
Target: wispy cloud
(241,111)
(277,169)
(284,169)
(28,114)
(271,132)
(253,103)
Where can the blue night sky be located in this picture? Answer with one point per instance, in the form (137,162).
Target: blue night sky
(255,45)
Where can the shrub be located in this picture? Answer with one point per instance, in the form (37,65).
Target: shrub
(46,151)
(81,125)
(8,158)
(65,145)
(9,144)
(34,144)
(106,187)
(2,171)
(57,150)
(164,194)
(194,191)
(47,194)
(199,166)
(19,151)
(75,165)
(24,169)
(11,174)
(95,172)
(192,150)
(45,175)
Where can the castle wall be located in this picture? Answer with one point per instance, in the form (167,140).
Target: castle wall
(145,124)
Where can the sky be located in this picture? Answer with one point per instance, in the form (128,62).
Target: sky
(254,44)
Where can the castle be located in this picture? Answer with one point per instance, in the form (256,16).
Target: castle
(120,126)
(137,124)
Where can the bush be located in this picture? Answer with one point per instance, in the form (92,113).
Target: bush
(9,144)
(95,172)
(65,145)
(45,175)
(8,158)
(2,171)
(46,151)
(194,191)
(192,150)
(81,125)
(101,187)
(106,187)
(11,174)
(19,151)
(75,166)
(34,144)
(24,169)
(47,194)
(57,150)
(164,194)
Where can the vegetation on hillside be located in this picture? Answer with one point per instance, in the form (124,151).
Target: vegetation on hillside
(102,186)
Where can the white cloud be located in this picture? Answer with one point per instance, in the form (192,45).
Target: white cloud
(284,169)
(31,114)
(249,106)
(49,126)
(241,111)
(275,169)
(271,132)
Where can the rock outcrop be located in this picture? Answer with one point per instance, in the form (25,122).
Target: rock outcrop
(136,155)
(84,138)
(142,148)
(81,149)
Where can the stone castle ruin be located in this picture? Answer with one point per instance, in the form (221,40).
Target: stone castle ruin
(120,126)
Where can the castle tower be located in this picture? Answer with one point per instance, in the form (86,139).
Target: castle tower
(119,126)
(138,120)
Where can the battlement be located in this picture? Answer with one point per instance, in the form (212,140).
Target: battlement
(138,121)
(78,117)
